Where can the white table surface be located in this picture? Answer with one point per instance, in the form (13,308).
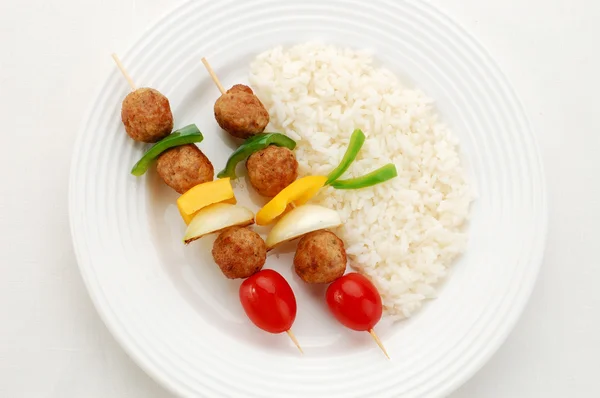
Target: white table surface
(53,54)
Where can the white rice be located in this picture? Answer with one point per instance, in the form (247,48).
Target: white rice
(404,233)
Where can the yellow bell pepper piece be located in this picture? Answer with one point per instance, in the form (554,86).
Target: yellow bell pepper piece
(203,195)
(187,218)
(298,193)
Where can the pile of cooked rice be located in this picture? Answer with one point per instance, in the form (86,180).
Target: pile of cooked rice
(403,233)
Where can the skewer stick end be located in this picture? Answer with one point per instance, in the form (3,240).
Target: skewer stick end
(379,343)
(213,75)
(124,71)
(293,338)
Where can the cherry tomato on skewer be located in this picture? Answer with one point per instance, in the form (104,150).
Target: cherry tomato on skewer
(269,302)
(355,302)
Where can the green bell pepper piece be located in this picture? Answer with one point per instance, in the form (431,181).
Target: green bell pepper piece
(185,135)
(251,145)
(357,139)
(380,175)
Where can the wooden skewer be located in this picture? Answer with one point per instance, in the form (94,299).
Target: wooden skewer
(376,338)
(289,333)
(124,72)
(213,75)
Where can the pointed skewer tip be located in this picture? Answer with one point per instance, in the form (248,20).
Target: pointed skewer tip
(379,343)
(294,340)
(213,75)
(123,71)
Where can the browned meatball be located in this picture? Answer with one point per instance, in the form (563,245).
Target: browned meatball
(272,169)
(239,252)
(240,112)
(320,257)
(184,167)
(146,114)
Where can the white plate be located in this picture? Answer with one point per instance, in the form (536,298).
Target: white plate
(172,310)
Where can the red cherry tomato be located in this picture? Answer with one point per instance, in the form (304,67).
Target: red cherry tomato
(269,301)
(355,302)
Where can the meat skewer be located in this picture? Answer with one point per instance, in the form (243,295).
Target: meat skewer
(241,253)
(145,112)
(238,111)
(184,167)
(146,115)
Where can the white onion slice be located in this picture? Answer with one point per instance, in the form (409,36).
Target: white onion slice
(215,218)
(300,221)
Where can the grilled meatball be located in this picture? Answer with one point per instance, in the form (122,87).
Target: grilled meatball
(239,252)
(240,112)
(184,167)
(320,257)
(146,114)
(272,169)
